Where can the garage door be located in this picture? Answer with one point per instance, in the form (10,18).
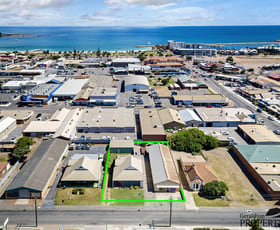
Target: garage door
(23,193)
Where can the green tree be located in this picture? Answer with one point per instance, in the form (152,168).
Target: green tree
(255,224)
(141,56)
(213,68)
(22,147)
(215,188)
(229,59)
(98,52)
(192,140)
(211,142)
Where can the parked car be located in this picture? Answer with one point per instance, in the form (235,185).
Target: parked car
(88,147)
(78,147)
(271,118)
(148,106)
(38,115)
(83,147)
(259,110)
(209,106)
(230,139)
(72,147)
(224,132)
(82,138)
(277,131)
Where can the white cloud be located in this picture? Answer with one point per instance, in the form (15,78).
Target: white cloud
(141,2)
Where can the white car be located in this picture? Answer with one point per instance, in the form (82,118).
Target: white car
(230,139)
(271,118)
(225,132)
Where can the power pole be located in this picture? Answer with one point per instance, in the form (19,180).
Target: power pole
(36,213)
(170,213)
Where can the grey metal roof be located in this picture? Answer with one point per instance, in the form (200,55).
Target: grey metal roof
(38,169)
(189,115)
(157,165)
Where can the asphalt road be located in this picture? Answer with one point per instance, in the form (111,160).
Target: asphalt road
(236,100)
(201,217)
(241,103)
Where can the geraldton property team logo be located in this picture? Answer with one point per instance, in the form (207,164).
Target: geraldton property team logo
(270,219)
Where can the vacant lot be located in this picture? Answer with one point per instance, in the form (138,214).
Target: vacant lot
(90,197)
(127,194)
(241,191)
(250,62)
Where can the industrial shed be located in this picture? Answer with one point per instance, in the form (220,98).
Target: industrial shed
(258,134)
(225,117)
(164,174)
(151,126)
(69,89)
(190,118)
(136,83)
(39,171)
(7,125)
(263,164)
(107,120)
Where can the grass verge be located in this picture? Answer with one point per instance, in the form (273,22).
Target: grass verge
(90,197)
(203,202)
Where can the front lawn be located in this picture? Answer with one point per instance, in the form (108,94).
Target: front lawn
(91,196)
(203,202)
(127,194)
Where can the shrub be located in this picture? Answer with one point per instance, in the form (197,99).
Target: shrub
(82,191)
(215,188)
(75,191)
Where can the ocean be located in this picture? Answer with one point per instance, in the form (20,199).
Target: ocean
(127,38)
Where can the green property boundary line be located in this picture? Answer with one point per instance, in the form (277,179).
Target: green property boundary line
(137,201)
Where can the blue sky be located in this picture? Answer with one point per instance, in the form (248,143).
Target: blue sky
(138,12)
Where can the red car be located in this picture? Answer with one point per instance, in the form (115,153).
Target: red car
(209,106)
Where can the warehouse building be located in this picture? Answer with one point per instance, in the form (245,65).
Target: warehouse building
(263,164)
(135,83)
(124,62)
(21,116)
(107,120)
(190,118)
(258,134)
(225,117)
(171,119)
(103,96)
(69,89)
(200,100)
(7,125)
(40,94)
(164,174)
(152,128)
(62,124)
(38,172)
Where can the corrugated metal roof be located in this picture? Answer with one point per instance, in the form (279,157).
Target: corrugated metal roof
(6,122)
(70,87)
(260,153)
(189,115)
(36,173)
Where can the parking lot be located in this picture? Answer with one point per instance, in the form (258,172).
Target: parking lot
(232,133)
